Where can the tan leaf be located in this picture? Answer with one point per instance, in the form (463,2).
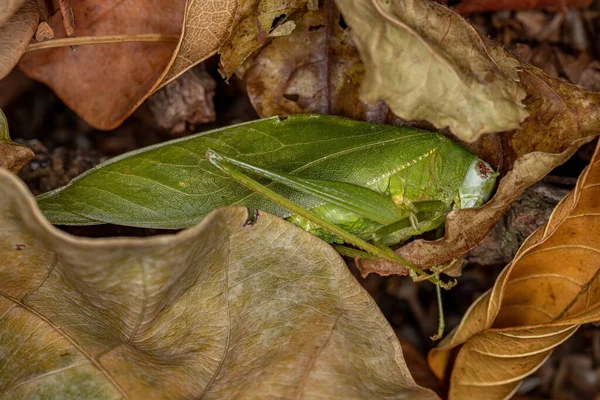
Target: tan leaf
(105,83)
(563,117)
(315,69)
(8,8)
(538,301)
(13,156)
(227,309)
(252,24)
(16,31)
(426,62)
(207,25)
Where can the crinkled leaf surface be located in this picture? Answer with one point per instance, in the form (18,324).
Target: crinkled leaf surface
(8,8)
(475,6)
(172,185)
(206,26)
(538,301)
(252,23)
(13,156)
(426,62)
(223,310)
(315,69)
(18,22)
(563,117)
(105,83)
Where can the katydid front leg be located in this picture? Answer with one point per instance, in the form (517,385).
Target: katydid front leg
(228,165)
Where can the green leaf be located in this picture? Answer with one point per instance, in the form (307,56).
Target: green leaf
(172,185)
(220,311)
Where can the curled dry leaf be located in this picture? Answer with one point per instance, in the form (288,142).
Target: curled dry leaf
(563,117)
(226,309)
(476,6)
(315,69)
(426,62)
(105,83)
(13,156)
(538,301)
(252,23)
(17,27)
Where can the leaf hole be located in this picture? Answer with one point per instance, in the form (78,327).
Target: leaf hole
(291,96)
(342,22)
(251,218)
(315,27)
(276,21)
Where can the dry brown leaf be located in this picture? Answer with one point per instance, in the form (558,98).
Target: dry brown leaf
(315,69)
(13,156)
(476,6)
(226,309)
(252,23)
(105,83)
(563,117)
(538,301)
(426,62)
(15,32)
(8,8)
(207,26)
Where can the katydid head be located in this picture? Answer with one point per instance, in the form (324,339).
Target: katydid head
(478,184)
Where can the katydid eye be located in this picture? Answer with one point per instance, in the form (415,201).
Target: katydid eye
(482,169)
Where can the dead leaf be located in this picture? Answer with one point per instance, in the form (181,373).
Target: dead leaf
(8,8)
(538,301)
(13,156)
(426,62)
(315,69)
(252,23)
(476,6)
(226,309)
(565,111)
(105,83)
(207,25)
(563,118)
(16,31)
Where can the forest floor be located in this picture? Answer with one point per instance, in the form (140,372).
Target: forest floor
(562,44)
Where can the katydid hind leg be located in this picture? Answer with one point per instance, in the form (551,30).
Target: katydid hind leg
(224,165)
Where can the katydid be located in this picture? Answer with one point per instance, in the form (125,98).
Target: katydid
(345,181)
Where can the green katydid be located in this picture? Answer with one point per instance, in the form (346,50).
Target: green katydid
(345,181)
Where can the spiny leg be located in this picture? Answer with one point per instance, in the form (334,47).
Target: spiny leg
(226,166)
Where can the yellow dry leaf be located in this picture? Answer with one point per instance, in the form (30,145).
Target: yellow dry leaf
(538,301)
(207,24)
(226,309)
(427,63)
